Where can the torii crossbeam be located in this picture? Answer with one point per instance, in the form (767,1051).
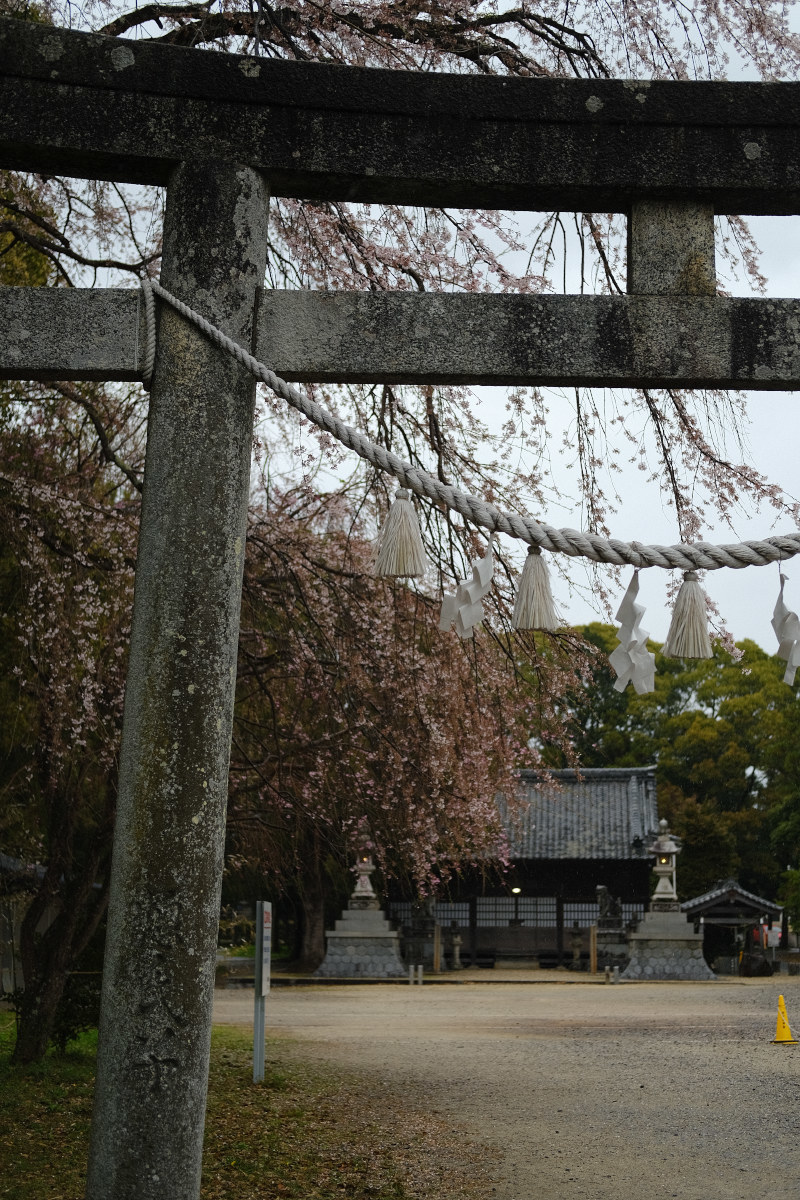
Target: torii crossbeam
(223,132)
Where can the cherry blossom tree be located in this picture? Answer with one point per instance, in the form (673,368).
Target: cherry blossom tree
(357,719)
(69,505)
(359,725)
(67,537)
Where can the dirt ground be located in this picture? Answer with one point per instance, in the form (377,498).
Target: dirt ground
(613,1092)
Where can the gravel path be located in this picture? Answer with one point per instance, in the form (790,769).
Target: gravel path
(608,1092)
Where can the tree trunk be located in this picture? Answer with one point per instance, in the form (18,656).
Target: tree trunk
(47,957)
(313,901)
(298,922)
(37,1016)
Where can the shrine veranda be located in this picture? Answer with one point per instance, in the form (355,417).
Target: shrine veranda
(223,133)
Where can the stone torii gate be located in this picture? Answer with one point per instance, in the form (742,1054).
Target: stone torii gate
(223,132)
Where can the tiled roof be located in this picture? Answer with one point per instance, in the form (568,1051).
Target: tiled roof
(729,892)
(605,813)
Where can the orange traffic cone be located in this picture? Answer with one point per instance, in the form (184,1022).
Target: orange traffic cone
(783,1034)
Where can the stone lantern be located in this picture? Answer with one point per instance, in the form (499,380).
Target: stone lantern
(363,945)
(364,894)
(665,849)
(665,945)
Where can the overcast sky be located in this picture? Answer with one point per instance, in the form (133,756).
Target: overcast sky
(747,597)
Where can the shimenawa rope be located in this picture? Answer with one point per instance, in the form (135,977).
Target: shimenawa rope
(576,544)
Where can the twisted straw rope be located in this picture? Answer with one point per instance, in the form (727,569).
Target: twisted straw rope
(684,556)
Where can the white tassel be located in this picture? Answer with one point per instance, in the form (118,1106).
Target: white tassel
(787,630)
(632,661)
(534,607)
(688,631)
(399,551)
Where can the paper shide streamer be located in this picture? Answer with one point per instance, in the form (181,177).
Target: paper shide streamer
(463,609)
(787,630)
(632,661)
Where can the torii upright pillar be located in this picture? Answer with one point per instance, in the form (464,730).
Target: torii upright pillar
(158,978)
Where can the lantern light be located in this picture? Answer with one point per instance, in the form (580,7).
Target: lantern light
(665,848)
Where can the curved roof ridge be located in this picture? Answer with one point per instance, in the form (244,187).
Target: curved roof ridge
(722,888)
(579,773)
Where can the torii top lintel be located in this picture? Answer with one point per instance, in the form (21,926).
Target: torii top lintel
(670,155)
(88,105)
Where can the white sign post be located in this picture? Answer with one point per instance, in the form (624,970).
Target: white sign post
(263,955)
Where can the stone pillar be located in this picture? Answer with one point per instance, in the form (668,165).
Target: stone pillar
(158,978)
(473,930)
(671,248)
(560,929)
(610,939)
(455,939)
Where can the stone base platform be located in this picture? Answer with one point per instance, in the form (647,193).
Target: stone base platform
(665,946)
(612,948)
(362,946)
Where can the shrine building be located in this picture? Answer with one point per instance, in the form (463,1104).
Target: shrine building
(577,831)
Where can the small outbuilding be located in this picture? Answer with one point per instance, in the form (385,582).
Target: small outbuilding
(729,916)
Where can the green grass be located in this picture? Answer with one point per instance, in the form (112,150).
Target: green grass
(45,1110)
(290,1137)
(306,1133)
